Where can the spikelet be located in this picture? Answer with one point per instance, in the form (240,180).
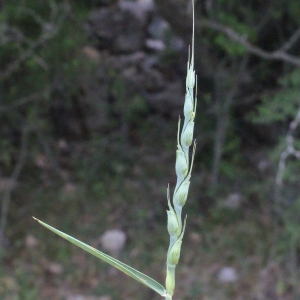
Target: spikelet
(183,169)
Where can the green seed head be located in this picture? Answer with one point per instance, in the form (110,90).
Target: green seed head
(174,253)
(183,170)
(188,106)
(172,222)
(182,193)
(190,78)
(187,134)
(181,165)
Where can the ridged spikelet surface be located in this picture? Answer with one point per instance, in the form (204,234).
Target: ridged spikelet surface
(183,168)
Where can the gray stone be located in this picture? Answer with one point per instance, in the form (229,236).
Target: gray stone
(227,275)
(113,241)
(116,29)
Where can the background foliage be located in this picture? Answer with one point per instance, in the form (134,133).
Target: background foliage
(87,139)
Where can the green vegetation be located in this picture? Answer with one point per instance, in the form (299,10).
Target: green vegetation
(87,131)
(183,171)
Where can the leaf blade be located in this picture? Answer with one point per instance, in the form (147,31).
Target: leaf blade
(133,273)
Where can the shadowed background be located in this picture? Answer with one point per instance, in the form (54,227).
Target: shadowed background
(90,93)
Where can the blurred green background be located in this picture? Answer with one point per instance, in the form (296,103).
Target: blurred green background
(90,93)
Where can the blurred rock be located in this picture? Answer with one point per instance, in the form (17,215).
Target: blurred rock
(264,165)
(113,241)
(140,8)
(92,53)
(158,28)
(195,237)
(117,29)
(69,189)
(31,241)
(131,39)
(156,45)
(227,275)
(54,268)
(42,162)
(234,201)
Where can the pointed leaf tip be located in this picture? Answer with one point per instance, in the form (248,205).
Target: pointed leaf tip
(135,274)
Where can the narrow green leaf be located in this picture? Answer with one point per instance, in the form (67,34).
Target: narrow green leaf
(140,277)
